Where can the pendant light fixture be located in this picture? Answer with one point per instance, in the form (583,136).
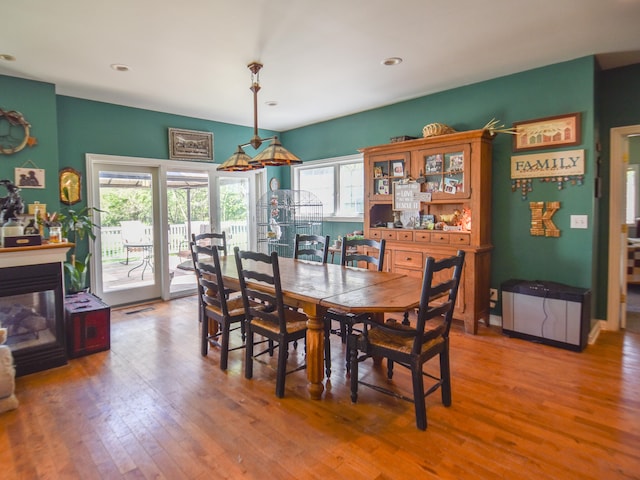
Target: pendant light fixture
(273,155)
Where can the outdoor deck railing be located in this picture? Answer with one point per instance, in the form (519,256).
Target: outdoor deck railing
(113,245)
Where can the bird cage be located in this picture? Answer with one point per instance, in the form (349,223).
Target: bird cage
(284,213)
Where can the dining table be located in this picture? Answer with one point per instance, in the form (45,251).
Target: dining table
(314,287)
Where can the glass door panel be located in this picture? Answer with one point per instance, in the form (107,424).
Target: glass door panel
(126,250)
(233,212)
(187,213)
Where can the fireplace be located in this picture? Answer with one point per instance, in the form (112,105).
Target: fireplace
(32,310)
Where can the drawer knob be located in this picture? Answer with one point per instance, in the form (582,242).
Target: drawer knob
(408,258)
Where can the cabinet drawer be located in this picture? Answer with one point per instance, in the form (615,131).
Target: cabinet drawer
(374,233)
(405,235)
(389,235)
(440,237)
(422,236)
(459,239)
(408,259)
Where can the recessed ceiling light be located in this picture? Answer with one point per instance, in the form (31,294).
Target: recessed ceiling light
(392,61)
(271,103)
(7,57)
(119,67)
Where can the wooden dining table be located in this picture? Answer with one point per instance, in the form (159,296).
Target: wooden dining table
(315,287)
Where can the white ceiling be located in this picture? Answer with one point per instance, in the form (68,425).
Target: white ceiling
(322,59)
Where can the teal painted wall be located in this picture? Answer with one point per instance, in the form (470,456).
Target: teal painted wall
(552,90)
(95,127)
(37,102)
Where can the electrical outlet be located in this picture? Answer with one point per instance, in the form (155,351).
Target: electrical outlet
(493,294)
(579,221)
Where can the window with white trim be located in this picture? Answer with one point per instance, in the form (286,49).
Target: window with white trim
(337,182)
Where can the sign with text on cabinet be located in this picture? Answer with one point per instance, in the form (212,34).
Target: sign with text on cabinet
(407,196)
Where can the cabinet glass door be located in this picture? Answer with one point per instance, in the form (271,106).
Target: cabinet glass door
(386,170)
(446,172)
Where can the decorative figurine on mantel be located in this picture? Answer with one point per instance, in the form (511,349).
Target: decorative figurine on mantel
(10,206)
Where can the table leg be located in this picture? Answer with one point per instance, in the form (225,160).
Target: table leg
(315,352)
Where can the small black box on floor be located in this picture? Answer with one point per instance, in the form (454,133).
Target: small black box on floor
(547,312)
(88,324)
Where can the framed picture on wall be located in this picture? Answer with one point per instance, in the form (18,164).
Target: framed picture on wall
(561,130)
(29,177)
(190,145)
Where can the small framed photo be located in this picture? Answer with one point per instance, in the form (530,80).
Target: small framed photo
(450,185)
(29,177)
(398,169)
(433,163)
(377,172)
(456,162)
(190,145)
(433,186)
(383,187)
(548,132)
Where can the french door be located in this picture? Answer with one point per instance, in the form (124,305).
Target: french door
(150,210)
(126,255)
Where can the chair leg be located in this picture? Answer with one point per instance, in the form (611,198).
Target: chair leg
(343,332)
(248,355)
(327,346)
(348,332)
(445,375)
(283,349)
(418,397)
(204,330)
(224,346)
(353,358)
(389,368)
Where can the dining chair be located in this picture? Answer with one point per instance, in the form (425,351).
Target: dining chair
(207,240)
(411,347)
(134,239)
(220,314)
(272,320)
(218,239)
(311,247)
(367,253)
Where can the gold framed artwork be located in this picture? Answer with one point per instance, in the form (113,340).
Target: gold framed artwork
(190,145)
(69,181)
(548,132)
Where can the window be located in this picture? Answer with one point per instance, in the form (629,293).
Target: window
(337,182)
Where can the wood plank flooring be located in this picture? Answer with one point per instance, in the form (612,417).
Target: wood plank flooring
(152,407)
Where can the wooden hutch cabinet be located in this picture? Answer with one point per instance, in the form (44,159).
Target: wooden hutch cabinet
(456,170)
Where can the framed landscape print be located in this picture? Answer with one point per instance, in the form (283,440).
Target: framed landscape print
(548,132)
(190,145)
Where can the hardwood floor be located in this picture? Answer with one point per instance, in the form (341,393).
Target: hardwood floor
(152,407)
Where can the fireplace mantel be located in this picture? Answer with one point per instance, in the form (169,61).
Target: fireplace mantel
(34,255)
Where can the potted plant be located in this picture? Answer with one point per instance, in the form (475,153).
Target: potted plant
(76,226)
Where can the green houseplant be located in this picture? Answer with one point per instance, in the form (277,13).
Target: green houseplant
(76,226)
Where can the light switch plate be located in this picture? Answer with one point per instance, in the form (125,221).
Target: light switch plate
(579,221)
